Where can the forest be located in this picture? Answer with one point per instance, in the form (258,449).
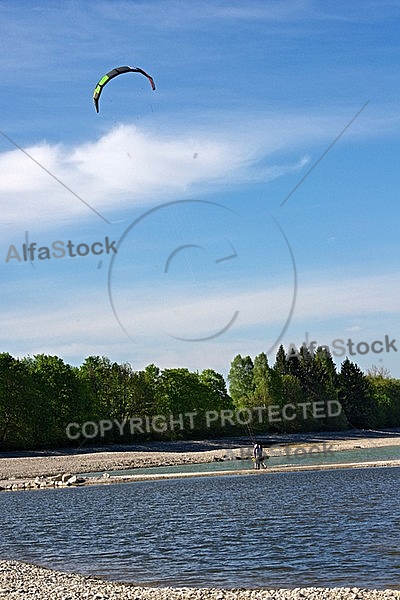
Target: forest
(47,403)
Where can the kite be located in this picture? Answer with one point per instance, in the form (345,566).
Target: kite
(114,73)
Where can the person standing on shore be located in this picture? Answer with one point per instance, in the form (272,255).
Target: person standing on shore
(258,456)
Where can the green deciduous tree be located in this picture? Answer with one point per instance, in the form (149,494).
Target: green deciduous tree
(261,380)
(57,397)
(17,411)
(219,398)
(386,394)
(241,384)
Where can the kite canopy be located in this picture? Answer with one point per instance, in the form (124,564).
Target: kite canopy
(114,73)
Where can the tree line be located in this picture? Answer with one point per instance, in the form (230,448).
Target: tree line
(368,400)
(41,395)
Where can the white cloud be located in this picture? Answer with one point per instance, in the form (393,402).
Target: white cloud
(285,11)
(353,328)
(130,166)
(125,167)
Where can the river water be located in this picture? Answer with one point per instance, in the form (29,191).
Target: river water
(313,455)
(315,528)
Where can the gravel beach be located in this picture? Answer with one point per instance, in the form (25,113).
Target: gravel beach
(21,580)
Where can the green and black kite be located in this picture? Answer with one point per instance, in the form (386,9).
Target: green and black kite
(114,73)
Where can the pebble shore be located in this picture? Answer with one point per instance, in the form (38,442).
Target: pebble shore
(22,580)
(58,469)
(28,465)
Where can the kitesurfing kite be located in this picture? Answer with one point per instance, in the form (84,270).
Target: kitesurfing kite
(114,73)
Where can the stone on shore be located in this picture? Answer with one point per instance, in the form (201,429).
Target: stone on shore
(21,580)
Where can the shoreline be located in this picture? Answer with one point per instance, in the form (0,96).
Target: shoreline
(25,580)
(107,479)
(58,469)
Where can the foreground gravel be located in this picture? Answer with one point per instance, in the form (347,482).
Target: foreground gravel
(21,580)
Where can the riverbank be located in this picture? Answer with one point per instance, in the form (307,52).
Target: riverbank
(22,580)
(57,468)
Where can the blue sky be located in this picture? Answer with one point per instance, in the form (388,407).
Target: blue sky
(189,180)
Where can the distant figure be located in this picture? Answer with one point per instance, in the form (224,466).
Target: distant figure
(258,456)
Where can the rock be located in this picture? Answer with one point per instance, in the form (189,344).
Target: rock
(18,485)
(65,477)
(71,480)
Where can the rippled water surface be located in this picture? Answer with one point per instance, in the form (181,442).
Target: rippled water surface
(275,530)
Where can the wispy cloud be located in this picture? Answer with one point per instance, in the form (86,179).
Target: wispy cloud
(73,319)
(131,166)
(258,307)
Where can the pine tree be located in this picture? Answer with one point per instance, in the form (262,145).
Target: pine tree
(355,396)
(281,362)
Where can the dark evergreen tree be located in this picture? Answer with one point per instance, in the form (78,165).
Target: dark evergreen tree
(293,394)
(281,362)
(355,396)
(293,364)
